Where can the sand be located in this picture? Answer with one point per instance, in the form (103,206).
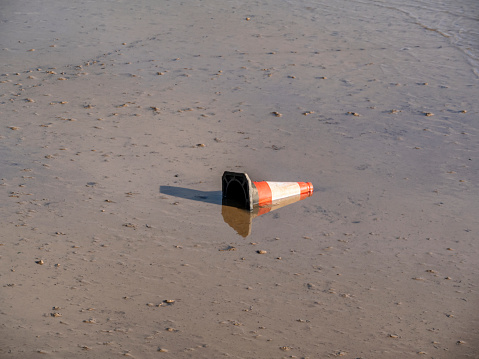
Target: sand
(119,118)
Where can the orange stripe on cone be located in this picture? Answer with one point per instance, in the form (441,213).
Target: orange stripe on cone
(265,195)
(306,189)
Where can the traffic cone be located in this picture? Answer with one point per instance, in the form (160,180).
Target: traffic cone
(240,191)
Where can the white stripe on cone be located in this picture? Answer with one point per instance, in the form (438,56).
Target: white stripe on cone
(283,189)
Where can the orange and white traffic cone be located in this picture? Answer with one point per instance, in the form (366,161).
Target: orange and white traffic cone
(240,191)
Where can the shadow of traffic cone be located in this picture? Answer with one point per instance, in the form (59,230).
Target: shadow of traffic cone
(239,191)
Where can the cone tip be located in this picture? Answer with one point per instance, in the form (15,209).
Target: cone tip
(311,188)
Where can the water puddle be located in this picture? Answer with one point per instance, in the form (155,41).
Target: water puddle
(241,220)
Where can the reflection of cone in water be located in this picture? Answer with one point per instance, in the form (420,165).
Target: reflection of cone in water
(241,220)
(240,191)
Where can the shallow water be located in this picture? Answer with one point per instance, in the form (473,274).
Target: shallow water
(458,21)
(125,155)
